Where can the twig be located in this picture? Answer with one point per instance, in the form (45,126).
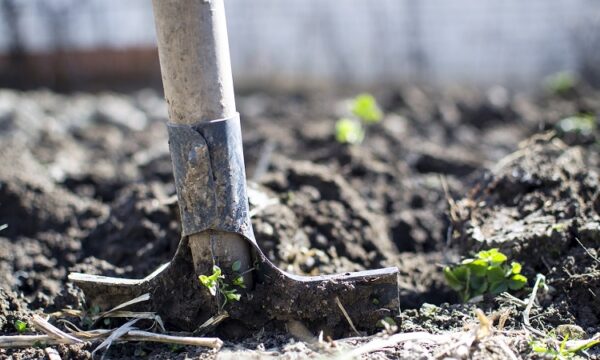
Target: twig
(114,335)
(539,278)
(212,322)
(502,345)
(44,326)
(52,354)
(587,251)
(23,341)
(139,335)
(394,340)
(510,299)
(139,299)
(339,304)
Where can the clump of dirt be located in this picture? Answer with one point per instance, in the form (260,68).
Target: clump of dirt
(540,206)
(332,215)
(143,216)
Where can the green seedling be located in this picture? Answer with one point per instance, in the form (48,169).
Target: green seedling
(20,326)
(349,131)
(364,111)
(487,272)
(563,351)
(584,124)
(215,283)
(365,107)
(561,83)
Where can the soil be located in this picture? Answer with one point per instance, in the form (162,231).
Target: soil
(86,185)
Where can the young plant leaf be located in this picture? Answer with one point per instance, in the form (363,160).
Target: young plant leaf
(584,124)
(517,282)
(515,268)
(20,326)
(236,266)
(495,274)
(478,267)
(493,256)
(452,280)
(239,281)
(365,107)
(233,296)
(498,287)
(478,285)
(348,131)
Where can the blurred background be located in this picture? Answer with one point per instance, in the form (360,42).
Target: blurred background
(110,44)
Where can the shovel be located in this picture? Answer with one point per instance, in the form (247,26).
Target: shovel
(208,166)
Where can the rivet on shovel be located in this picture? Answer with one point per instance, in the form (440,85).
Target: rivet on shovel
(208,166)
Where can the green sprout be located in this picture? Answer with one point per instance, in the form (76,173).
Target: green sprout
(215,283)
(561,83)
(364,112)
(562,351)
(486,273)
(349,131)
(20,326)
(584,124)
(365,107)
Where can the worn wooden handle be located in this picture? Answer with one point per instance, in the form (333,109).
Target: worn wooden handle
(194,58)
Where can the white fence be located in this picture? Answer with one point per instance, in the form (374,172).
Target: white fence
(364,42)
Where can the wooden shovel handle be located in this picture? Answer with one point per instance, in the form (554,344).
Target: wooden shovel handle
(194,58)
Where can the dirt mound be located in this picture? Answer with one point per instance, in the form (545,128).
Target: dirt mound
(141,232)
(541,205)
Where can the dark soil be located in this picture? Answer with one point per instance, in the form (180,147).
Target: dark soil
(86,185)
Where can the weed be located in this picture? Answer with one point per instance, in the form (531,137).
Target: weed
(561,83)
(364,111)
(543,347)
(486,273)
(365,107)
(558,227)
(349,131)
(215,283)
(20,326)
(584,124)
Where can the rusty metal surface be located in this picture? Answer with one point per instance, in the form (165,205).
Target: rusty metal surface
(210,177)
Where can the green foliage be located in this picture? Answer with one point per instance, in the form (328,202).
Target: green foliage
(584,124)
(365,107)
(211,282)
(215,283)
(364,111)
(562,351)
(487,272)
(349,131)
(20,326)
(561,83)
